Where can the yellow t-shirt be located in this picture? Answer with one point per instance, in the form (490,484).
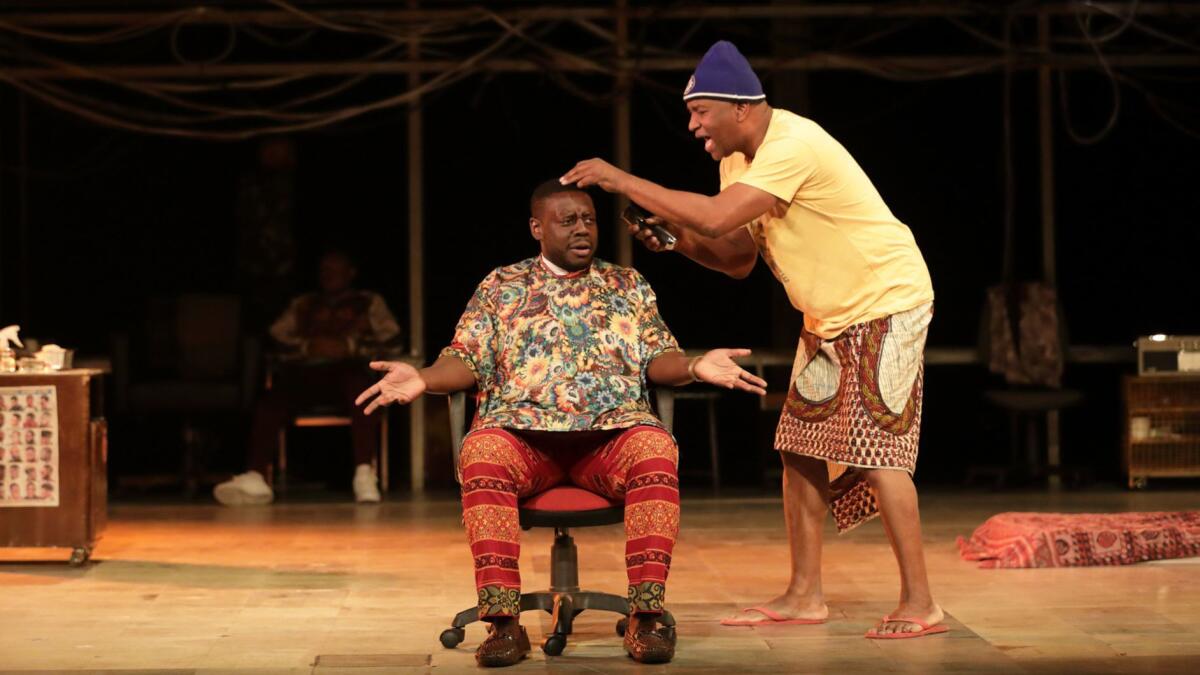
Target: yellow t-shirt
(836,247)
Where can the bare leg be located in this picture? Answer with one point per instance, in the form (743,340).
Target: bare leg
(897,499)
(805,486)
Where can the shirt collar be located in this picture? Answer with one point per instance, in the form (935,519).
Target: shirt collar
(554,268)
(560,272)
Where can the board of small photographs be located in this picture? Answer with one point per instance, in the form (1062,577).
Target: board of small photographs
(28,446)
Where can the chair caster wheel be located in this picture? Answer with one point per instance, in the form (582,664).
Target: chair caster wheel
(554,645)
(452,637)
(622,626)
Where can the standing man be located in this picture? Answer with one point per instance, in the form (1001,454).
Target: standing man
(849,428)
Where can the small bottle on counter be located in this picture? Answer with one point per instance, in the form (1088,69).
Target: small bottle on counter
(8,356)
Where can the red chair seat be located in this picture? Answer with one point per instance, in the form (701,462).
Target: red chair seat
(567,498)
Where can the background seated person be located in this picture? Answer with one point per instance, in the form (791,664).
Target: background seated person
(327,333)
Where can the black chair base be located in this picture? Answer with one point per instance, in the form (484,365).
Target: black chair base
(563,601)
(564,607)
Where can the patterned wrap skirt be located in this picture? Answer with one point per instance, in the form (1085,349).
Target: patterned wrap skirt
(855,402)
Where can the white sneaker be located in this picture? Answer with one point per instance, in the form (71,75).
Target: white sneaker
(366,484)
(244,489)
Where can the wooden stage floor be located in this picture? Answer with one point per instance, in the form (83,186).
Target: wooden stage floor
(339,588)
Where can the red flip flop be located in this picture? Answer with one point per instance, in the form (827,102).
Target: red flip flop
(926,629)
(773,619)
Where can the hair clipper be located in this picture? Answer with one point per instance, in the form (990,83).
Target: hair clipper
(636,215)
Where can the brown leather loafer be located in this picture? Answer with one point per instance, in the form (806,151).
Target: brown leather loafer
(650,646)
(502,649)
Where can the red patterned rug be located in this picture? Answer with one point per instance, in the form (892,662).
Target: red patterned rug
(1082,539)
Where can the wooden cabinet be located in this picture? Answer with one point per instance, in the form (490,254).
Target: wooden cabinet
(1162,427)
(73,511)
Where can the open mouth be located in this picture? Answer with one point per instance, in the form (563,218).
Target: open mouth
(708,143)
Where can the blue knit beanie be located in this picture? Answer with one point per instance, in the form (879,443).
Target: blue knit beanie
(723,73)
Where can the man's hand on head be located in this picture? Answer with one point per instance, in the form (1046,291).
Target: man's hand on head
(401,383)
(717,367)
(596,171)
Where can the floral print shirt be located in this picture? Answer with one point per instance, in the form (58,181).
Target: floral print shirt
(561,353)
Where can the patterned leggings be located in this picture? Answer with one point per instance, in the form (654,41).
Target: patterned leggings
(637,465)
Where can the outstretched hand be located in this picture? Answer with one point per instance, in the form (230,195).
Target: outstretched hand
(717,367)
(401,383)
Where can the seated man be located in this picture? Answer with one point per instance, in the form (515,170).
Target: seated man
(326,331)
(560,347)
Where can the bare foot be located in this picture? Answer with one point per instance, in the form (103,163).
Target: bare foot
(807,608)
(932,615)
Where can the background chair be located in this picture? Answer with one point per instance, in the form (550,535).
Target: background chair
(1023,337)
(328,418)
(191,361)
(561,507)
(667,400)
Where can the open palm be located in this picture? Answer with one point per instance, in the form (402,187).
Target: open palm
(718,367)
(401,383)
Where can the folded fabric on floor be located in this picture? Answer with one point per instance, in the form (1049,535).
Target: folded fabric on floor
(1082,539)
